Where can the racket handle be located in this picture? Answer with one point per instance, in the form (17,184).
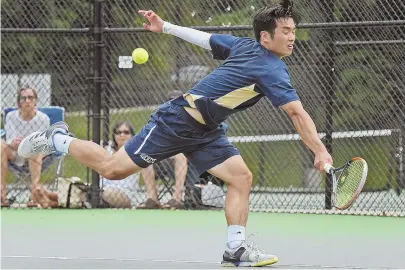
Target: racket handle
(327,167)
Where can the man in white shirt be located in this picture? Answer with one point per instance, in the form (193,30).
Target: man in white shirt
(19,124)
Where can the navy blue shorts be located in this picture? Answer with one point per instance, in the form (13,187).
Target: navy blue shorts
(170,131)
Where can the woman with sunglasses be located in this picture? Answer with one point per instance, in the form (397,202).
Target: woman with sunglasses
(118,194)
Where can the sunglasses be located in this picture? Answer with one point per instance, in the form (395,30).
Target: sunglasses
(24,98)
(119,132)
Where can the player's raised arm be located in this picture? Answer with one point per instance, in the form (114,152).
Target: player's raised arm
(193,36)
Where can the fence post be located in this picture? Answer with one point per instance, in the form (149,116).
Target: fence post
(108,73)
(98,79)
(330,71)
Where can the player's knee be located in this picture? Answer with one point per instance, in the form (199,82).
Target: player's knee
(109,174)
(248,178)
(110,171)
(106,170)
(112,174)
(244,179)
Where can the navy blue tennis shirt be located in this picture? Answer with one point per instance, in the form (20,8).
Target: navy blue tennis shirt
(248,73)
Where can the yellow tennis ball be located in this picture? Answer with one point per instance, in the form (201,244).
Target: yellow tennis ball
(140,56)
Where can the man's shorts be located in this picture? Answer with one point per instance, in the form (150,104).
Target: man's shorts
(170,131)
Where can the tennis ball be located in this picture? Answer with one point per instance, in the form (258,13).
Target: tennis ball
(140,56)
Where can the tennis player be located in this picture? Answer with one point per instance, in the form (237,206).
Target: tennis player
(191,124)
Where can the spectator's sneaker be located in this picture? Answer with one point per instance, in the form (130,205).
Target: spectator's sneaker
(41,142)
(247,255)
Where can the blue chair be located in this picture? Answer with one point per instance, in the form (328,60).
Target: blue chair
(22,173)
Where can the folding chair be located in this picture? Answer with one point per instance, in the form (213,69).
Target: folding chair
(23,182)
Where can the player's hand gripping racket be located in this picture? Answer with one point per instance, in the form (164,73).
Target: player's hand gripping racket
(348,181)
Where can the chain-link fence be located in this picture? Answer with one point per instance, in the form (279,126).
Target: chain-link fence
(348,68)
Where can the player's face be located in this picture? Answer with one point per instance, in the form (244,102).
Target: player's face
(282,43)
(27,101)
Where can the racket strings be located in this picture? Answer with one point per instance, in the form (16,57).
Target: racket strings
(348,183)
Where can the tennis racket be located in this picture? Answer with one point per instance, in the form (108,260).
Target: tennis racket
(348,181)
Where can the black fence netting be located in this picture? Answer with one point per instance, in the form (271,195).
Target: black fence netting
(348,68)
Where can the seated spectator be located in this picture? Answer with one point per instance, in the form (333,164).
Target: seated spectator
(117,193)
(149,178)
(18,124)
(180,171)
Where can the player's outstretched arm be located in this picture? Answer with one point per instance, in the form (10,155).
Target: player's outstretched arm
(305,126)
(193,36)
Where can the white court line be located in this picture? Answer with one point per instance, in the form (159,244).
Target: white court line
(104,259)
(177,261)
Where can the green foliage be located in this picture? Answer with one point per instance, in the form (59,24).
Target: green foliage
(363,92)
(64,18)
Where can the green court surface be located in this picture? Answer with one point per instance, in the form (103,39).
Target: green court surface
(133,239)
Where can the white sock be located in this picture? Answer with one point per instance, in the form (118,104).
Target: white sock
(236,236)
(62,142)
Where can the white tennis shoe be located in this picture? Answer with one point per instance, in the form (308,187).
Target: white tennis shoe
(247,255)
(41,142)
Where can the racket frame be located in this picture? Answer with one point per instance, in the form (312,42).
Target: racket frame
(332,171)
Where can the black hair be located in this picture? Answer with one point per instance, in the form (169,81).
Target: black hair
(115,129)
(266,18)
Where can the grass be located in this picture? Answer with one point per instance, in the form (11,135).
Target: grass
(274,164)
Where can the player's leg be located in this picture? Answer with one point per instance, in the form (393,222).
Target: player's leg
(154,142)
(94,156)
(239,179)
(222,159)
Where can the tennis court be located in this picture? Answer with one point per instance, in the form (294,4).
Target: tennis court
(133,239)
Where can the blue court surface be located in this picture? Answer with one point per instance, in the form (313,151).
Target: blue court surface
(134,239)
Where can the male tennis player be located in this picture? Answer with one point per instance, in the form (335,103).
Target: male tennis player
(191,124)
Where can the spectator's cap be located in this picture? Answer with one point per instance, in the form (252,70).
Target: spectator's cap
(174,94)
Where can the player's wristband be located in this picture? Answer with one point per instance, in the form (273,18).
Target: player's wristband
(166,27)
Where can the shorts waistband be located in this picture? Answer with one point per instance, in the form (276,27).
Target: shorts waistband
(188,118)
